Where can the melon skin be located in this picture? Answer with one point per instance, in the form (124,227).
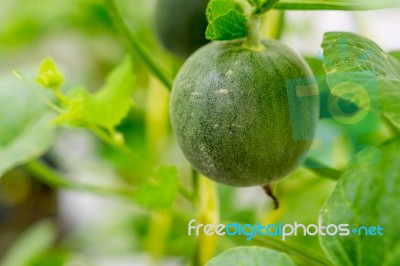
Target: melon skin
(181,25)
(233,117)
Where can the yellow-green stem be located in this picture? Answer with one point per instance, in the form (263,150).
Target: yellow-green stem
(272,24)
(159,229)
(208,213)
(157,123)
(61,97)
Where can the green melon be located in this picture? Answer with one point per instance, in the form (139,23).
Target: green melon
(244,117)
(181,25)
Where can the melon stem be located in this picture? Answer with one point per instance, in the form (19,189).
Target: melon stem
(253,39)
(269,191)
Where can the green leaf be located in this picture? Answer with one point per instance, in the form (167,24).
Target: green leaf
(108,106)
(74,114)
(226,20)
(112,103)
(32,244)
(368,194)
(160,191)
(251,256)
(336,4)
(357,60)
(49,76)
(25,132)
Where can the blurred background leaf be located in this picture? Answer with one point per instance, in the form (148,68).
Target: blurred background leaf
(31,245)
(25,132)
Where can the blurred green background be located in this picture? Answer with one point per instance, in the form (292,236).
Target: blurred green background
(41,225)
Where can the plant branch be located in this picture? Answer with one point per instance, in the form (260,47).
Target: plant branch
(48,176)
(331,5)
(187,194)
(123,149)
(391,124)
(145,169)
(135,46)
(265,7)
(322,169)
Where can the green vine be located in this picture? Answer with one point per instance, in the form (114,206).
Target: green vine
(134,46)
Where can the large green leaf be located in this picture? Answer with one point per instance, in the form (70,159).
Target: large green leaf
(368,194)
(25,130)
(352,58)
(336,4)
(251,256)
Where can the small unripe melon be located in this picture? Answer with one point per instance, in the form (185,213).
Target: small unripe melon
(181,25)
(244,117)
